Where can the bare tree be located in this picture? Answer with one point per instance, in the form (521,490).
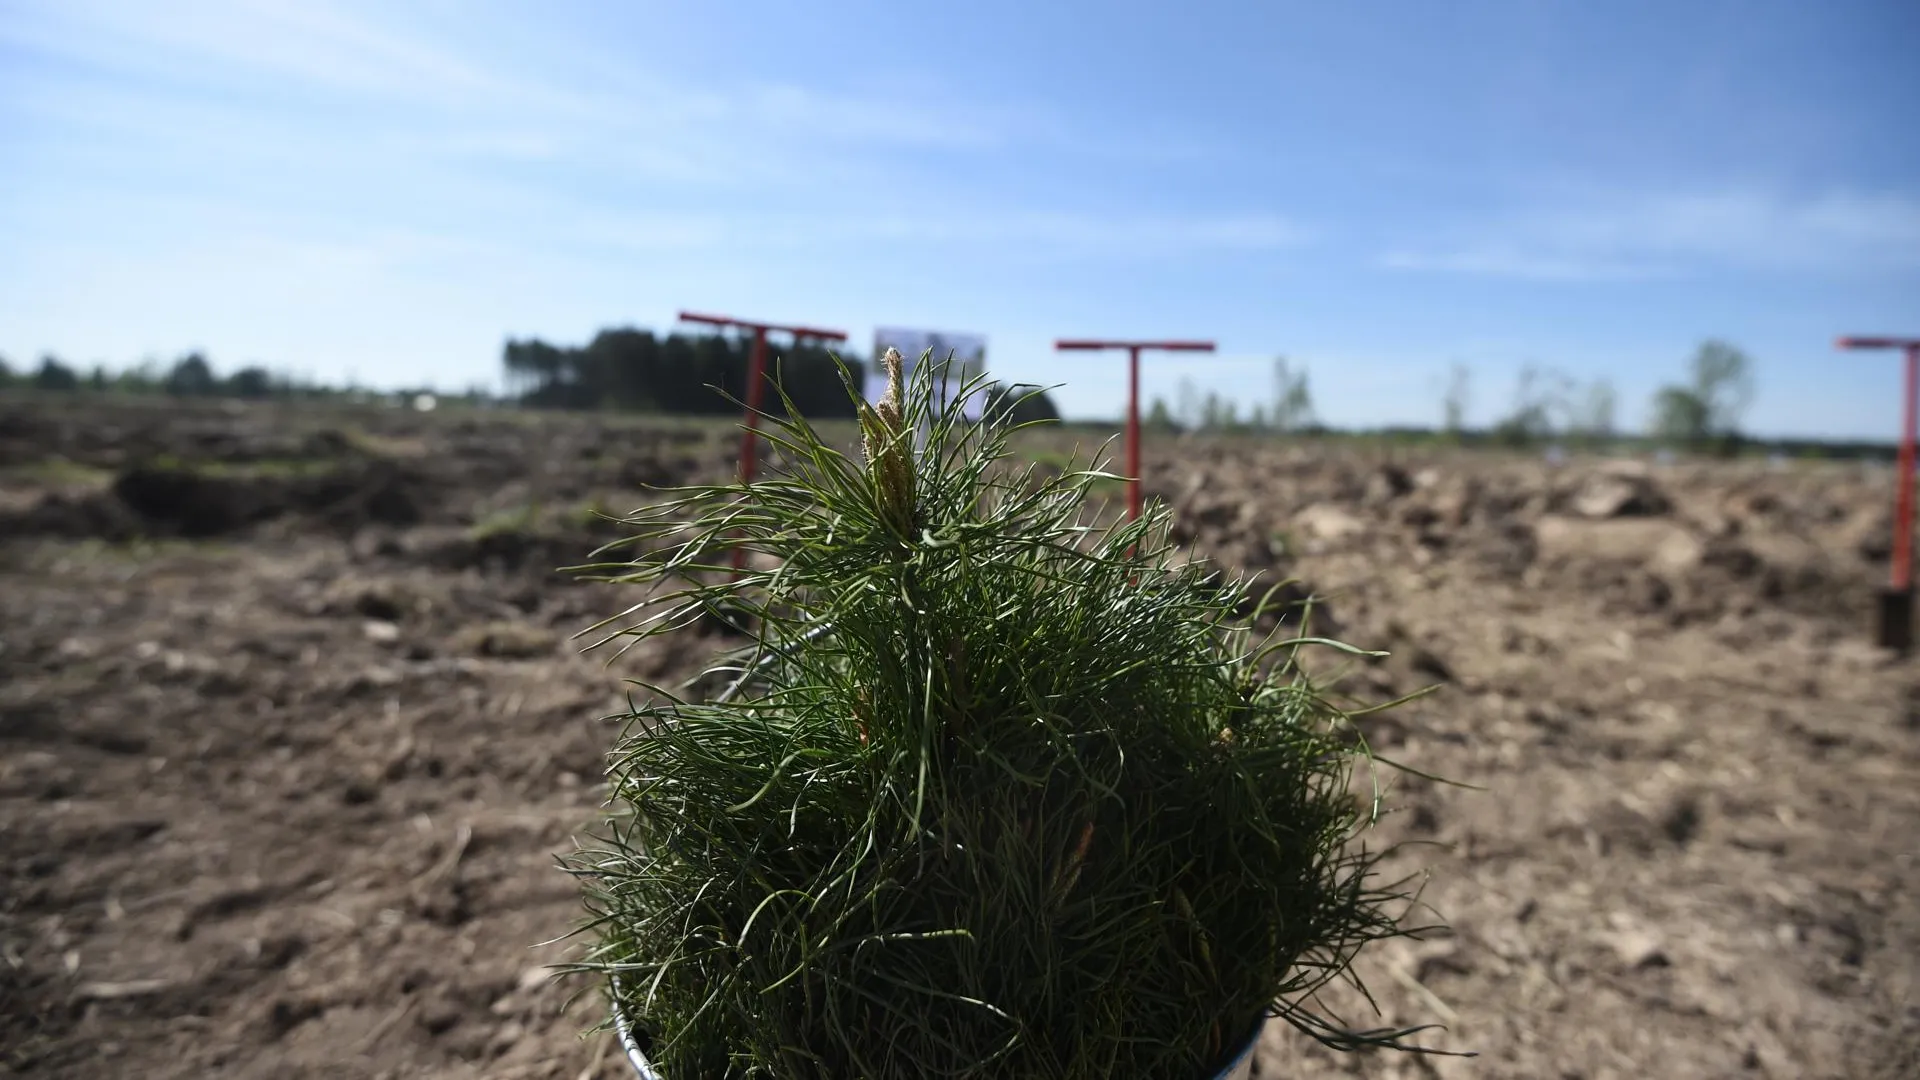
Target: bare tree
(1292,397)
(1680,415)
(1540,396)
(1186,407)
(1593,417)
(1218,413)
(1709,410)
(1723,377)
(1459,388)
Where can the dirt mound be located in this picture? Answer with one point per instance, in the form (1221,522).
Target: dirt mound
(379,492)
(161,501)
(74,516)
(1618,493)
(508,551)
(1659,565)
(194,505)
(191,504)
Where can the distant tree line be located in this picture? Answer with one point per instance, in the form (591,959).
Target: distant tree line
(1547,406)
(704,375)
(1019,403)
(1289,411)
(1702,415)
(631,369)
(191,376)
(619,369)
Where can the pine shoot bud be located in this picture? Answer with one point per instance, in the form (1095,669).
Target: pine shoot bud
(888,448)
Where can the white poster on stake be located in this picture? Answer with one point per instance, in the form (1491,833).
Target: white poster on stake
(969,361)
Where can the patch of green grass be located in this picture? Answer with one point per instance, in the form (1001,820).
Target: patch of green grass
(587,514)
(591,514)
(1063,460)
(58,471)
(514,519)
(263,468)
(1075,460)
(63,557)
(376,445)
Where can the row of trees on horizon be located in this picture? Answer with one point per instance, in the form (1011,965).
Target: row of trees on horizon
(629,368)
(190,376)
(632,369)
(620,368)
(1703,413)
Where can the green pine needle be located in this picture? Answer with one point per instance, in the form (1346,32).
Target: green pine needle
(995,793)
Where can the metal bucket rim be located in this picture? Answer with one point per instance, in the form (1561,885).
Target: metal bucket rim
(645,1070)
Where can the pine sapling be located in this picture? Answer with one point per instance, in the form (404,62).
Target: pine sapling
(991,792)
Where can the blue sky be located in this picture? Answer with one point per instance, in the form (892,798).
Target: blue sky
(1378,190)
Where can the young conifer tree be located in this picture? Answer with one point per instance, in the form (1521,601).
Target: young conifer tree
(990,793)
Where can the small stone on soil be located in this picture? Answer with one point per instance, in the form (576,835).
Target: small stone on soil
(1638,948)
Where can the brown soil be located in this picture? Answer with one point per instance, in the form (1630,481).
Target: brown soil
(292,723)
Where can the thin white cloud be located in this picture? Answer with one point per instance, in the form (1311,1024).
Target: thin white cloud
(1117,235)
(1030,234)
(336,81)
(1510,263)
(509,88)
(876,119)
(1670,235)
(1756,229)
(318,45)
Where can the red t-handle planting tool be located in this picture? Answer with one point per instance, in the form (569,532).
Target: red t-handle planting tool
(1896,602)
(1133,398)
(757,385)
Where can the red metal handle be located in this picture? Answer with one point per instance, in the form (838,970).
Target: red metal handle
(1165,346)
(749,324)
(756,389)
(1134,348)
(1903,482)
(1878,343)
